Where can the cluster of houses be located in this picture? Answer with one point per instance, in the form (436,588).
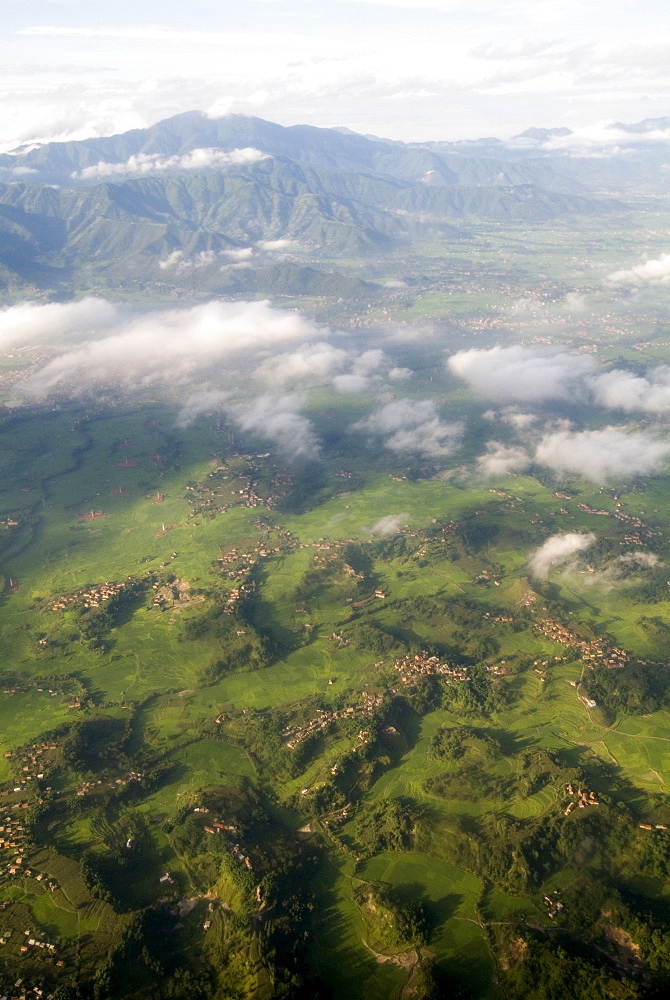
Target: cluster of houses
(655,826)
(217,826)
(592,651)
(92,598)
(209,499)
(22,688)
(423,664)
(39,943)
(36,759)
(553,904)
(88,787)
(241,566)
(340,640)
(12,837)
(295,735)
(581,797)
(633,538)
(175,592)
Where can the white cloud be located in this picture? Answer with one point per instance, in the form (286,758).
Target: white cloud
(140,348)
(198,403)
(318,360)
(276,244)
(601,455)
(239,254)
(556,551)
(603,139)
(508,374)
(55,321)
(178,262)
(399,374)
(529,375)
(412,427)
(351,383)
(368,362)
(655,272)
(149,163)
(511,416)
(389,525)
(621,390)
(502,460)
(276,418)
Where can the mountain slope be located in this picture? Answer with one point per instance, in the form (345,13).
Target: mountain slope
(161,207)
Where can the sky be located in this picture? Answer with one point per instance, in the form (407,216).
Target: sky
(403,69)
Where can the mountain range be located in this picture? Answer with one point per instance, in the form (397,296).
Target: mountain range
(238,205)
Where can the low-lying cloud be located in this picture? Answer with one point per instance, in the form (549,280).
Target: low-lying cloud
(412,427)
(349,371)
(389,525)
(198,403)
(526,374)
(520,374)
(135,349)
(654,272)
(622,390)
(141,164)
(557,551)
(601,455)
(53,322)
(502,460)
(276,419)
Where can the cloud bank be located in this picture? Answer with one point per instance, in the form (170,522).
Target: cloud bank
(198,403)
(389,525)
(501,460)
(135,349)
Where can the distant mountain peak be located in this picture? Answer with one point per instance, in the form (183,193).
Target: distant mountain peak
(543,133)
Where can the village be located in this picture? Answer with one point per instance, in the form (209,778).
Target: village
(242,564)
(423,664)
(411,668)
(212,499)
(294,736)
(90,787)
(591,651)
(91,598)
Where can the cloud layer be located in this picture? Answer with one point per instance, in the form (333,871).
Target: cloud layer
(136,349)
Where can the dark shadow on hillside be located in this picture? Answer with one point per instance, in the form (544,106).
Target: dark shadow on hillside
(510,743)
(329,926)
